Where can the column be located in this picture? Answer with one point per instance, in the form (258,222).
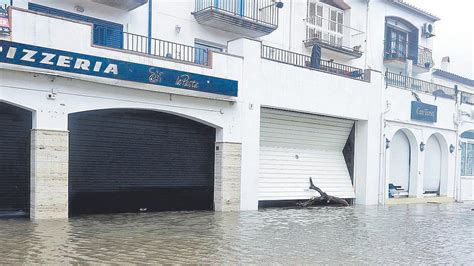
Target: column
(227,171)
(49,174)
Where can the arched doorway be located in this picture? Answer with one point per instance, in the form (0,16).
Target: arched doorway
(128,160)
(400,163)
(15,138)
(433,163)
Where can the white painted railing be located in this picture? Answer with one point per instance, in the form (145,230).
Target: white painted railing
(334,34)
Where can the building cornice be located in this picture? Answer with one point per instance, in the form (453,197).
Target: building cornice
(414,9)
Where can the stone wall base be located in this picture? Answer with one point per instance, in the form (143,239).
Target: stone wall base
(227,171)
(49,174)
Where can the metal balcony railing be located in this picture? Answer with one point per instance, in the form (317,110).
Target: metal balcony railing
(156,47)
(301,60)
(418,85)
(334,34)
(421,56)
(260,11)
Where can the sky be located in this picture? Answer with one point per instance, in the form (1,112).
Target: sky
(454,33)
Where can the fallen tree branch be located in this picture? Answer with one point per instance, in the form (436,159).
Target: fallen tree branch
(324,199)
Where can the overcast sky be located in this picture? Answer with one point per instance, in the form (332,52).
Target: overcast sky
(454,33)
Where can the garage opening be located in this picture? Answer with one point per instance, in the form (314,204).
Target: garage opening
(126,160)
(295,146)
(15,136)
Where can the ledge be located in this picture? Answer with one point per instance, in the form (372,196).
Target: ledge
(401,201)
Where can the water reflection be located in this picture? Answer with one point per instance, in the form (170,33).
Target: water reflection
(428,233)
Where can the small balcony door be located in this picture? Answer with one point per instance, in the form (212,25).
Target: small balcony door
(396,44)
(235,6)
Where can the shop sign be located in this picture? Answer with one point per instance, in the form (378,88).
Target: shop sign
(424,112)
(59,60)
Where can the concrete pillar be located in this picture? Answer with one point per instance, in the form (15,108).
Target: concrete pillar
(49,174)
(227,170)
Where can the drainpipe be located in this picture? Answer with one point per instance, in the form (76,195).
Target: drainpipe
(457,173)
(366,34)
(382,155)
(150,20)
(291,24)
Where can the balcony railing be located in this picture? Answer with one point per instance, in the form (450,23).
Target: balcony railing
(418,85)
(421,56)
(261,11)
(252,18)
(301,60)
(334,35)
(156,47)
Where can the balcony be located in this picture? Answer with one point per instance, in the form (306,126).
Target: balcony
(418,85)
(250,18)
(301,60)
(107,37)
(334,37)
(396,55)
(127,5)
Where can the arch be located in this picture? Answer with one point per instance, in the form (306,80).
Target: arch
(468,134)
(21,106)
(403,161)
(402,20)
(184,115)
(436,164)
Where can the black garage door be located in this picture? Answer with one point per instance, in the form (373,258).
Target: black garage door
(124,160)
(15,130)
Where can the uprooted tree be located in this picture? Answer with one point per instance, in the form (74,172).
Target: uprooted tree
(324,199)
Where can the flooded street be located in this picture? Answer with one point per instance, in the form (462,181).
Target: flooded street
(429,233)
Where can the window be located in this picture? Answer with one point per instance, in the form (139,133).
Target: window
(202,51)
(401,40)
(397,43)
(467,162)
(325,23)
(105,33)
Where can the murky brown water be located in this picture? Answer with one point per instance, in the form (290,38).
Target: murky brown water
(402,234)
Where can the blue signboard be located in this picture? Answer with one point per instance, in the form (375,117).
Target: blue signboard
(52,59)
(424,112)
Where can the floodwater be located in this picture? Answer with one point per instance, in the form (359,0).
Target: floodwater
(429,233)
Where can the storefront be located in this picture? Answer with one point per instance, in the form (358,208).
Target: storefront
(108,138)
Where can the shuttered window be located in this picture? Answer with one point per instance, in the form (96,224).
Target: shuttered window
(106,33)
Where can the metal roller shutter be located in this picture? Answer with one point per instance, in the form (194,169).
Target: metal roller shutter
(15,130)
(296,146)
(127,160)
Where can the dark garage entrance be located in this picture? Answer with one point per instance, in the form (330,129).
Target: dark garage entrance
(15,135)
(126,160)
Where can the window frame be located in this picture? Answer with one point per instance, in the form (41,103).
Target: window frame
(463,171)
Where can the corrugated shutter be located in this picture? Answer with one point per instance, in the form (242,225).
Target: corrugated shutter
(296,146)
(15,130)
(106,33)
(124,160)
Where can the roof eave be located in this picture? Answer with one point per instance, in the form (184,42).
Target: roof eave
(418,11)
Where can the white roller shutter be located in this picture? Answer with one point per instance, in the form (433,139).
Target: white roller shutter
(295,146)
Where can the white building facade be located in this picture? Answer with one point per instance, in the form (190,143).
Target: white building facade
(222,105)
